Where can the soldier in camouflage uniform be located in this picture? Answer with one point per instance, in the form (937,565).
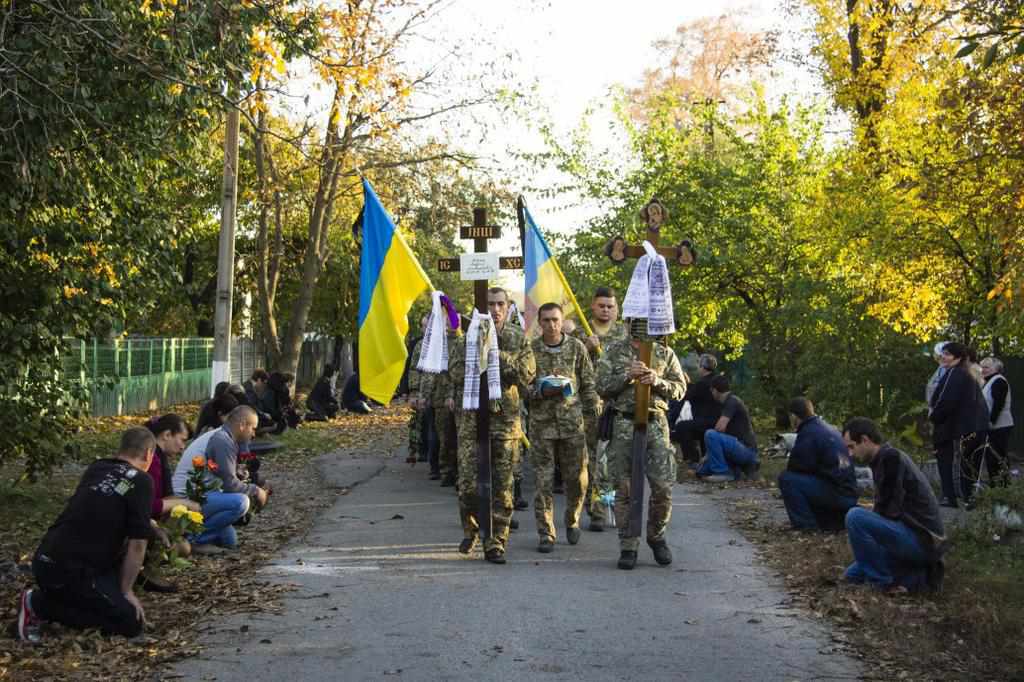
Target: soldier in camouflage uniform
(436,388)
(605,311)
(557,425)
(617,373)
(517,373)
(416,446)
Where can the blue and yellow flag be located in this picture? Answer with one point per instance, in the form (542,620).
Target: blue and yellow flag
(390,279)
(545,282)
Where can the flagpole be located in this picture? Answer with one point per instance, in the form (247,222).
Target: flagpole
(521,210)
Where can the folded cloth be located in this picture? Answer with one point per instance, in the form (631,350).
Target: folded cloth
(481,354)
(434,351)
(649,295)
(563,384)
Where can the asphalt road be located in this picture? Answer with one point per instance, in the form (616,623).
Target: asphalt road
(383,594)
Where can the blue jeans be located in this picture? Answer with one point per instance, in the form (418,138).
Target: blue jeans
(220,511)
(725,455)
(812,503)
(884,551)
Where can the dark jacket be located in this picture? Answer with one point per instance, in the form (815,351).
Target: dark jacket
(819,450)
(702,403)
(703,406)
(958,407)
(902,493)
(321,394)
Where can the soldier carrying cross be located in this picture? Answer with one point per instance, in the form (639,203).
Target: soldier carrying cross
(640,378)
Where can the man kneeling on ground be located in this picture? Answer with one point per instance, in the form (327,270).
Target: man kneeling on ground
(818,486)
(87,563)
(731,446)
(229,504)
(900,544)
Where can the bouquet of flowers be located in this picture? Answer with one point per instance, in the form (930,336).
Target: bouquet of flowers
(198,485)
(182,523)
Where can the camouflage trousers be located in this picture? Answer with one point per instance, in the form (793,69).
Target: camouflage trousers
(447,434)
(415,432)
(504,458)
(595,508)
(661,473)
(571,456)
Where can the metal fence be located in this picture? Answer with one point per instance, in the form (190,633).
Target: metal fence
(139,374)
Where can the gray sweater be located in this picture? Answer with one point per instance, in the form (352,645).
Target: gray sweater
(217,445)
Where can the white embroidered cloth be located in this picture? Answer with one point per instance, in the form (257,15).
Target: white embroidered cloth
(481,354)
(434,351)
(649,295)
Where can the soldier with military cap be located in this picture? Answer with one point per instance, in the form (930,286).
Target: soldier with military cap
(562,402)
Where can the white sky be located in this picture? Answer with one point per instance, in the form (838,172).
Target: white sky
(574,52)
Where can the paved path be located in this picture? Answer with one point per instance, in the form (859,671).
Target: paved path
(384,595)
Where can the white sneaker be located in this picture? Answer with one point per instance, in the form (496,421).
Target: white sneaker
(28,624)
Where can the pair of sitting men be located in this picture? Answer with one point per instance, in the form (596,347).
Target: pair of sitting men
(897,545)
(87,564)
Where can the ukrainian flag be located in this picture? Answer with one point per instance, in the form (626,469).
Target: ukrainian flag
(545,282)
(390,279)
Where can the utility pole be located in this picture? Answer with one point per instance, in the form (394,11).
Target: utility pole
(226,255)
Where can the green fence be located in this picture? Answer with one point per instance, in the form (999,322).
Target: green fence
(140,374)
(135,375)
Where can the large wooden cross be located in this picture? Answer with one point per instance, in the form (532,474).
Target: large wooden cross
(684,254)
(480,232)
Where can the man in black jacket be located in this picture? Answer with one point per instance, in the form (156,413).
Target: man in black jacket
(705,411)
(900,544)
(818,486)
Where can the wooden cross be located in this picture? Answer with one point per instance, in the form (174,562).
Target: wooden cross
(654,215)
(480,232)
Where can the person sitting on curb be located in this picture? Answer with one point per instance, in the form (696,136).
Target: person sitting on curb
(170,432)
(86,565)
(818,486)
(229,504)
(899,545)
(731,446)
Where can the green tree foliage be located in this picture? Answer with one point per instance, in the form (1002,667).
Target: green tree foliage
(104,112)
(767,286)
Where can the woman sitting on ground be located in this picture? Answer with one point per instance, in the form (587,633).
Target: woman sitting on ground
(170,432)
(214,413)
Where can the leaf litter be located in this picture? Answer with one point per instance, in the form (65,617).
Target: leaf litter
(211,586)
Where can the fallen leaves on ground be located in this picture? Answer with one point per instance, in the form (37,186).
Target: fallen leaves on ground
(901,636)
(213,585)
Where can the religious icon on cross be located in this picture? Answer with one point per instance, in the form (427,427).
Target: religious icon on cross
(654,214)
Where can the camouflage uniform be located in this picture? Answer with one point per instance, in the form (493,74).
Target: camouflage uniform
(416,418)
(517,373)
(557,431)
(617,332)
(436,388)
(613,384)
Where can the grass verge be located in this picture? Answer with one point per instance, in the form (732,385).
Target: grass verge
(971,630)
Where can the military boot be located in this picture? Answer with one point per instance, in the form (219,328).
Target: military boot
(662,554)
(627,560)
(520,504)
